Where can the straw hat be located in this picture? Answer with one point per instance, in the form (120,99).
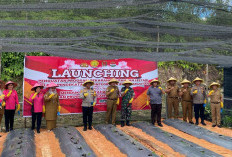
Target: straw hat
(88,81)
(155,80)
(127,82)
(172,79)
(185,81)
(37,85)
(52,84)
(113,80)
(10,82)
(197,79)
(214,84)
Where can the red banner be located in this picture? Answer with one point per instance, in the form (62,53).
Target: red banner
(70,74)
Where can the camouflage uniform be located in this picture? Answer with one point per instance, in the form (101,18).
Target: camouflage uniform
(126,107)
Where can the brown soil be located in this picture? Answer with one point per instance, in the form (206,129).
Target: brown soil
(47,145)
(2,140)
(99,144)
(150,142)
(205,144)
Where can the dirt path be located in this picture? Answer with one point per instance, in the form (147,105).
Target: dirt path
(2,140)
(150,142)
(47,145)
(214,148)
(99,144)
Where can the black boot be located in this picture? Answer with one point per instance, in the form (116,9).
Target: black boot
(196,122)
(90,127)
(122,123)
(203,123)
(85,127)
(128,123)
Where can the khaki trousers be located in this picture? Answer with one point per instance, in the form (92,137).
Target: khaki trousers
(173,103)
(111,111)
(216,115)
(187,111)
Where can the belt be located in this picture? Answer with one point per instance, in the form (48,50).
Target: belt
(215,102)
(112,99)
(173,97)
(188,100)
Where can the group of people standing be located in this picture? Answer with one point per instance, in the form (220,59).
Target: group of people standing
(47,103)
(190,97)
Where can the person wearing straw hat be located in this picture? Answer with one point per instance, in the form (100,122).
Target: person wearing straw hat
(198,93)
(154,96)
(1,101)
(172,91)
(216,103)
(186,101)
(112,94)
(37,99)
(11,101)
(89,99)
(127,94)
(52,106)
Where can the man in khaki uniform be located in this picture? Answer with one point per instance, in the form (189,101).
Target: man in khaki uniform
(186,101)
(173,97)
(216,103)
(112,94)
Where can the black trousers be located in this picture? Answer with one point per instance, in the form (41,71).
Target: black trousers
(9,119)
(156,113)
(87,115)
(199,110)
(36,117)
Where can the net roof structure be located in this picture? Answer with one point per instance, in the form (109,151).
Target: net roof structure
(156,30)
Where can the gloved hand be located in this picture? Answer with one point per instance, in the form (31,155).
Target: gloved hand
(34,95)
(94,94)
(160,88)
(221,110)
(126,90)
(147,102)
(211,92)
(195,91)
(131,100)
(18,109)
(117,101)
(3,104)
(2,96)
(59,108)
(112,90)
(43,109)
(58,113)
(86,94)
(50,96)
(94,103)
(9,93)
(222,105)
(205,103)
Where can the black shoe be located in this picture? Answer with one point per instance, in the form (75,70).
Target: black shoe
(219,126)
(161,125)
(191,122)
(196,123)
(213,125)
(32,128)
(11,129)
(38,131)
(7,130)
(128,123)
(122,123)
(203,123)
(90,128)
(85,129)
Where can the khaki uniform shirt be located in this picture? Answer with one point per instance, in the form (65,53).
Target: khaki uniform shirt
(88,100)
(174,92)
(186,95)
(114,95)
(216,96)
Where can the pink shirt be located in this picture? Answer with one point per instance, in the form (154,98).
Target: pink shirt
(38,102)
(12,100)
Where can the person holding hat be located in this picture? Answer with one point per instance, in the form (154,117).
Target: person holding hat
(154,96)
(52,106)
(11,101)
(1,101)
(198,93)
(216,103)
(186,101)
(89,99)
(173,97)
(37,99)
(127,98)
(112,94)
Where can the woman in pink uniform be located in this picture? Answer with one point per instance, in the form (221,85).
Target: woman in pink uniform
(11,101)
(37,99)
